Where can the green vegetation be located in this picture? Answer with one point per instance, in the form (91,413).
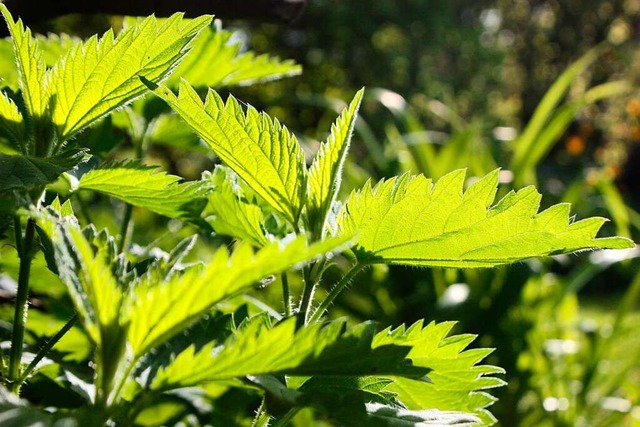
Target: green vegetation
(244,296)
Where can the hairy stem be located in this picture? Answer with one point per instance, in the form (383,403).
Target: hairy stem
(262,417)
(21,309)
(335,291)
(286,295)
(17,229)
(311,276)
(307,298)
(47,347)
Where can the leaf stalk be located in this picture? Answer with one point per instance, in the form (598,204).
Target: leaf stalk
(335,291)
(286,295)
(47,347)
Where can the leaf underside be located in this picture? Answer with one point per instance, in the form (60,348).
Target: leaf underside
(148,188)
(408,220)
(457,382)
(19,172)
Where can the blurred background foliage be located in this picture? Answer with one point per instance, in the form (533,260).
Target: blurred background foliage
(548,90)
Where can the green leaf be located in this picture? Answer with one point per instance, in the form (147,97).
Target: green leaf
(380,415)
(12,124)
(31,67)
(325,173)
(86,267)
(408,220)
(51,47)
(455,380)
(230,214)
(100,75)
(260,150)
(169,129)
(215,61)
(158,311)
(148,188)
(86,270)
(373,385)
(45,230)
(25,172)
(54,46)
(258,349)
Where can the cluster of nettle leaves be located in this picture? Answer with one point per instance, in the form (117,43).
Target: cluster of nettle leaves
(285,216)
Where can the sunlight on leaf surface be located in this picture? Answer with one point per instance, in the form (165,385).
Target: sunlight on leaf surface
(408,220)
(158,311)
(318,349)
(149,188)
(258,148)
(101,75)
(325,173)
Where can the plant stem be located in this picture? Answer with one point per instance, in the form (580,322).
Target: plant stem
(335,291)
(286,419)
(307,297)
(286,295)
(311,276)
(125,228)
(262,418)
(47,347)
(17,229)
(22,301)
(83,208)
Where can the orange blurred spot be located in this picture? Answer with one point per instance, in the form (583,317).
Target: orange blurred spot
(612,171)
(635,133)
(575,145)
(633,107)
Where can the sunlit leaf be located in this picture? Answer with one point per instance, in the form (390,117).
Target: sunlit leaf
(325,173)
(231,215)
(160,310)
(258,148)
(31,67)
(259,349)
(456,381)
(87,274)
(100,75)
(148,188)
(12,124)
(408,220)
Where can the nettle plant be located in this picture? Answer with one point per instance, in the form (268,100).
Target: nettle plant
(167,330)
